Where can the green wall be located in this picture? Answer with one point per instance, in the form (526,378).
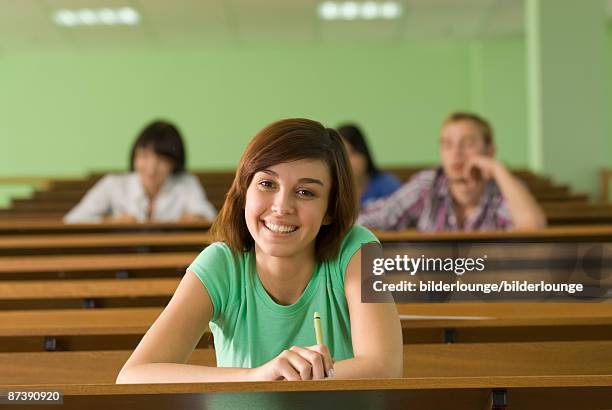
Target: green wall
(66,113)
(497,80)
(566,82)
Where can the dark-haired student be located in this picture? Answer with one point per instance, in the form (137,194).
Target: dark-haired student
(471,190)
(371,183)
(158,188)
(287,247)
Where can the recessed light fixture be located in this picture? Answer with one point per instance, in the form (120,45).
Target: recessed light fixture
(96,17)
(353,10)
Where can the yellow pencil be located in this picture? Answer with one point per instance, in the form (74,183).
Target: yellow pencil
(318,329)
(319,336)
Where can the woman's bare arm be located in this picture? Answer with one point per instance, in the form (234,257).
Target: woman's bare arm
(376,333)
(168,344)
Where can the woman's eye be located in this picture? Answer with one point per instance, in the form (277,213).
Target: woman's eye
(305,193)
(266,184)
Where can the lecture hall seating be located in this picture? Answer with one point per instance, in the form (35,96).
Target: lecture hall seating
(533,356)
(560,204)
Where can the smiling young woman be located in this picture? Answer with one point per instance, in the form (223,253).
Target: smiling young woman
(287,247)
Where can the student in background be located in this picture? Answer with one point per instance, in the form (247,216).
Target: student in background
(470,191)
(287,248)
(371,183)
(158,188)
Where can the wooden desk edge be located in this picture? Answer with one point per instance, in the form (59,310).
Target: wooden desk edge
(412,383)
(570,231)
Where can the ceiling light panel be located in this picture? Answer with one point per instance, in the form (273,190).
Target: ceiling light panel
(364,10)
(96,17)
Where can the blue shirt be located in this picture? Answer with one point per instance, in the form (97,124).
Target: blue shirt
(380,186)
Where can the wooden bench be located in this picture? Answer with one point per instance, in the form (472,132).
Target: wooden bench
(424,360)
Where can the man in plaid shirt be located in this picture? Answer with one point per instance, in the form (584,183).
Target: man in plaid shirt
(470,191)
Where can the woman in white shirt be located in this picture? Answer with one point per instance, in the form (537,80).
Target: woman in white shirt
(158,188)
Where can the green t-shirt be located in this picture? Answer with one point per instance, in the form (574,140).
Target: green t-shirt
(250,329)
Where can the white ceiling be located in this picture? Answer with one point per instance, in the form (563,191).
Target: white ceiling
(27,24)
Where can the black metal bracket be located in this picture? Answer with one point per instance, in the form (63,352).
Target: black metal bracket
(50,344)
(449,336)
(499,399)
(89,303)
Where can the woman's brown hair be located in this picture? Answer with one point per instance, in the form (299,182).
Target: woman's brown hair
(287,141)
(165,139)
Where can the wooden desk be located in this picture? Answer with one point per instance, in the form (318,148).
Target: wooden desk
(118,242)
(505,322)
(86,293)
(82,329)
(127,239)
(19,267)
(91,243)
(422,316)
(77,329)
(574,233)
(558,392)
(45,225)
(579,207)
(81,367)
(87,288)
(424,360)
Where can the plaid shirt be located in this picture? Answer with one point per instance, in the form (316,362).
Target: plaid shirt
(425,201)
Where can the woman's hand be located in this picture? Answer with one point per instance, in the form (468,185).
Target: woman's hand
(297,363)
